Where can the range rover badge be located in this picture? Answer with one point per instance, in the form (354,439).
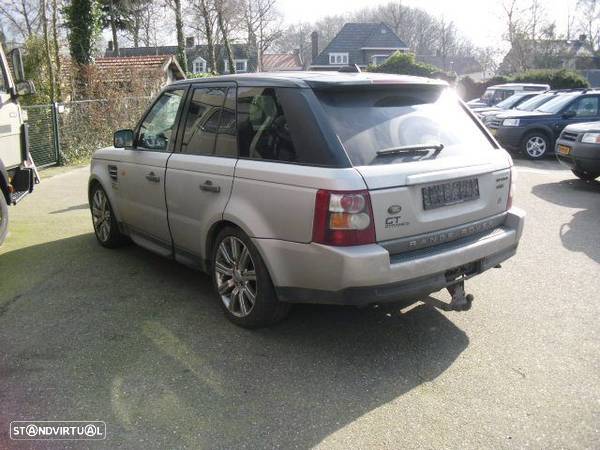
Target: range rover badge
(394,209)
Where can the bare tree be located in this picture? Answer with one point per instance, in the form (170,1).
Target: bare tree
(262,26)
(205,25)
(175,5)
(222,8)
(56,48)
(47,51)
(22,16)
(589,21)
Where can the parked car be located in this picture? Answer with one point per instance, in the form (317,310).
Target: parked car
(495,94)
(510,103)
(490,117)
(534,133)
(347,189)
(578,148)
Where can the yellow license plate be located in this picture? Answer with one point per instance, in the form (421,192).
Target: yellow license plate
(564,149)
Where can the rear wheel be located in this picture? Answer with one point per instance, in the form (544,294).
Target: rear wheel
(105,224)
(585,175)
(535,145)
(3,217)
(242,282)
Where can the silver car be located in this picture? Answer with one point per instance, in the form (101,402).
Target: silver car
(340,188)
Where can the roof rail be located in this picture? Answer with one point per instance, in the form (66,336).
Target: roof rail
(350,68)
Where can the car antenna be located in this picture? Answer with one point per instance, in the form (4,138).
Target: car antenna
(350,68)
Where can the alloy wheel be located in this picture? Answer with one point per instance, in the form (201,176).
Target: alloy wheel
(235,275)
(101,215)
(536,146)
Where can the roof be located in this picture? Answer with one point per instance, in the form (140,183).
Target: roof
(315,79)
(353,38)
(119,68)
(274,62)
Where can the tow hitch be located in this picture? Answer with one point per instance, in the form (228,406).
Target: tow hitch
(459,302)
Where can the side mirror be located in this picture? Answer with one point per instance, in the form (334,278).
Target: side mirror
(123,139)
(17,62)
(569,114)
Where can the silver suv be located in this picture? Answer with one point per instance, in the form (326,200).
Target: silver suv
(341,188)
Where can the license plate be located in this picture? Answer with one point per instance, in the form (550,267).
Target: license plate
(450,193)
(564,149)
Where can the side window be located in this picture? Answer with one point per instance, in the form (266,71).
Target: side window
(585,107)
(262,126)
(158,126)
(227,136)
(202,122)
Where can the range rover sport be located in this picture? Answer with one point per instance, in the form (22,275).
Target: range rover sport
(342,188)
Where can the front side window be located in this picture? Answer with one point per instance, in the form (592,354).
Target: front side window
(157,129)
(398,118)
(585,107)
(263,130)
(202,121)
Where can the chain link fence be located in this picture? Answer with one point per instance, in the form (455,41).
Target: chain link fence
(68,133)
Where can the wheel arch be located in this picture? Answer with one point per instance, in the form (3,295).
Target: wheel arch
(97,181)
(539,129)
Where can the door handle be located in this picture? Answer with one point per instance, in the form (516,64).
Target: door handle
(208,186)
(152,177)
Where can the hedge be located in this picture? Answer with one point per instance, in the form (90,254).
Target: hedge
(406,64)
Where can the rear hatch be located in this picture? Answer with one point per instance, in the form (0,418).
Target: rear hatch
(426,162)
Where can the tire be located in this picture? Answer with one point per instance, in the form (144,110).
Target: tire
(585,175)
(535,145)
(105,224)
(3,217)
(242,282)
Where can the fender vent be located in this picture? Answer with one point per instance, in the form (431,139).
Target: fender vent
(113,172)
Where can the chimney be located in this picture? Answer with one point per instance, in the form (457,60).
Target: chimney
(582,37)
(110,46)
(314,39)
(189,42)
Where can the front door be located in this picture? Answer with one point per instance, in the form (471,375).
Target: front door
(200,173)
(583,109)
(141,174)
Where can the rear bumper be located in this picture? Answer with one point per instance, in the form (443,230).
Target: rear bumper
(315,273)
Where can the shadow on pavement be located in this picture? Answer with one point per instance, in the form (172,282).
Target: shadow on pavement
(582,233)
(140,342)
(71,208)
(547,163)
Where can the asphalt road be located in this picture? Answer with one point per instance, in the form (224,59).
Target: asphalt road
(140,342)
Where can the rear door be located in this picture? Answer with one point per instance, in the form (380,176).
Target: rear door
(200,173)
(584,109)
(426,162)
(140,174)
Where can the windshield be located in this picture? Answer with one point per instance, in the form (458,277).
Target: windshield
(535,102)
(368,121)
(488,94)
(557,103)
(510,101)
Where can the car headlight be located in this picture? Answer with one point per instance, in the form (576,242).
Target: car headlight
(591,138)
(511,122)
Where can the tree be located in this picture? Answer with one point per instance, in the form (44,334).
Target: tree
(22,16)
(181,55)
(83,21)
(47,51)
(204,11)
(589,22)
(221,10)
(262,27)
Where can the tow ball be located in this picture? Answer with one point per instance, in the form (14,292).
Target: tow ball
(459,302)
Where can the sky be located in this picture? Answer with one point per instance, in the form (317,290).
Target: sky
(479,20)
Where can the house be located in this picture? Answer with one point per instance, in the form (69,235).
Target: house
(282,62)
(357,43)
(572,54)
(162,69)
(197,56)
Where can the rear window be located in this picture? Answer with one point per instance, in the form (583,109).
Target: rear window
(377,119)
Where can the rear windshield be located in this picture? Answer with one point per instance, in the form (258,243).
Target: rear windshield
(368,121)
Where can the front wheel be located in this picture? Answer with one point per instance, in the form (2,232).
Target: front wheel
(105,223)
(3,217)
(535,145)
(583,175)
(242,282)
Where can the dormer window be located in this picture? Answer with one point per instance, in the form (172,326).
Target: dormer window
(198,65)
(338,58)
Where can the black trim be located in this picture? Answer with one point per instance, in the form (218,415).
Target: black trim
(415,289)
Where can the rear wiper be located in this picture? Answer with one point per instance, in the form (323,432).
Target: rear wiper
(410,148)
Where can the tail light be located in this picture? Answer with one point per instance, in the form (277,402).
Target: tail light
(343,218)
(511,188)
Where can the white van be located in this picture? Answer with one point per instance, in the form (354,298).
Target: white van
(495,94)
